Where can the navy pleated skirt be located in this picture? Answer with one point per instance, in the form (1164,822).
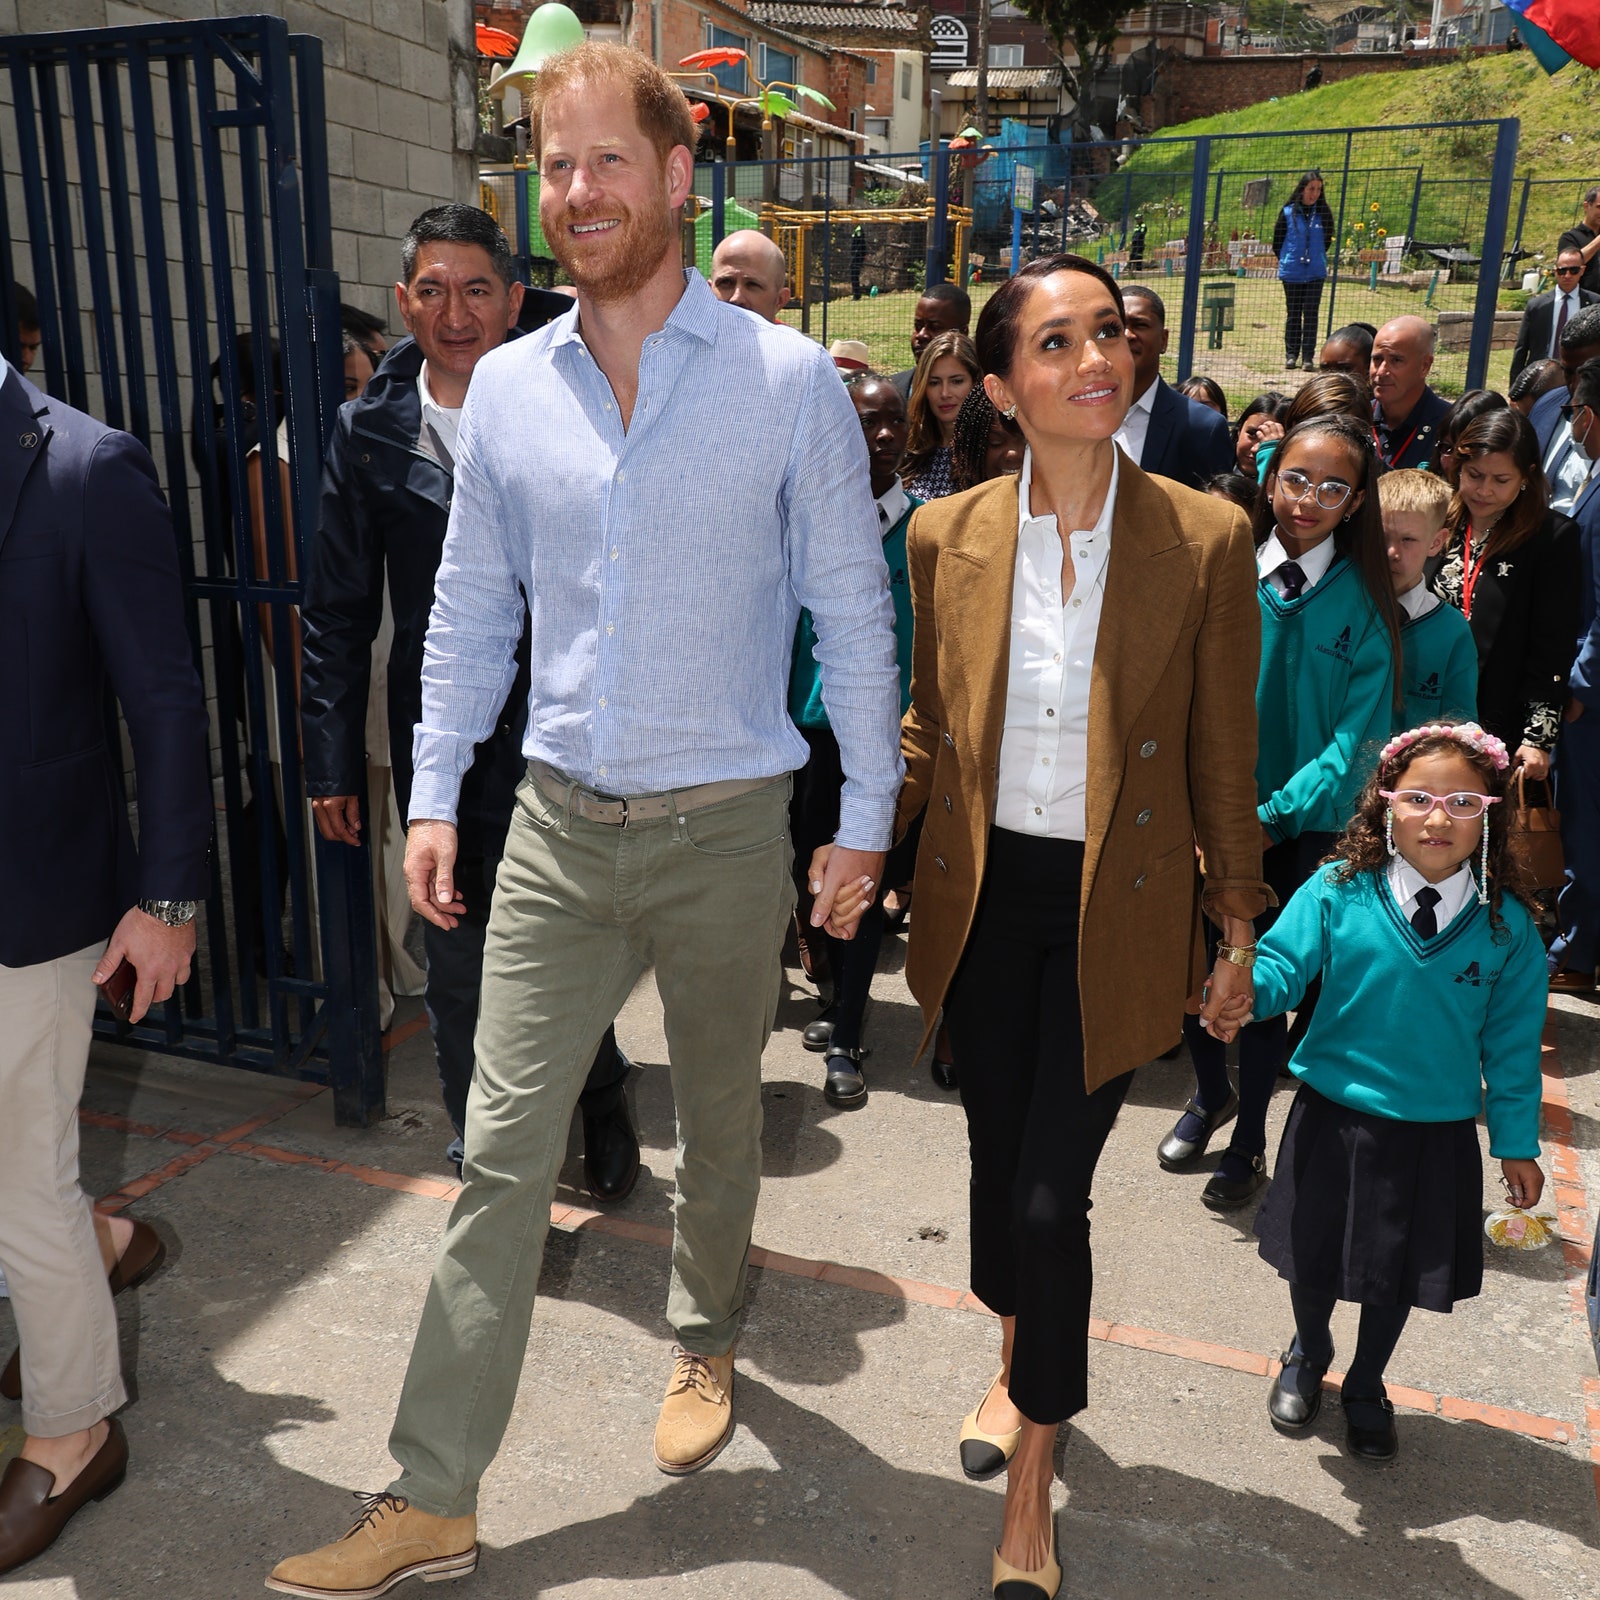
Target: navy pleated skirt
(1376,1211)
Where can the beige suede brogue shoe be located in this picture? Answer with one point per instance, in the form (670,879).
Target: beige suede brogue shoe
(392,1541)
(696,1418)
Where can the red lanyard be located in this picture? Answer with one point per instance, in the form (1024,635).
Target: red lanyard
(1377,444)
(1469,571)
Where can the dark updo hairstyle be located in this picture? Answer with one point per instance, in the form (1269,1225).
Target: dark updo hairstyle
(1207,391)
(1472,405)
(996,336)
(1504,430)
(1362,846)
(1358,536)
(969,448)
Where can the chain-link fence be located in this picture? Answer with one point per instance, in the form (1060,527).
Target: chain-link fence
(1415,220)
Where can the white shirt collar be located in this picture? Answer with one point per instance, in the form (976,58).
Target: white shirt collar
(892,504)
(1314,563)
(1455,893)
(445,421)
(1417,601)
(1102,526)
(1147,399)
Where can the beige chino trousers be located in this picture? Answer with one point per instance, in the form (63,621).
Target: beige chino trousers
(71,1368)
(580,911)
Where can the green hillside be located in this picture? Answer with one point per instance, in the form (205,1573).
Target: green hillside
(1438,178)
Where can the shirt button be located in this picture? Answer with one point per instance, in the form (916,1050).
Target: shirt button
(1037,812)
(619,475)
(1083,555)
(1138,822)
(615,552)
(1076,604)
(1056,656)
(611,628)
(602,702)
(608,405)
(1049,711)
(1147,749)
(1044,761)
(602,772)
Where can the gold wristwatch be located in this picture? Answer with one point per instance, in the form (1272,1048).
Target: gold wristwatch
(1241,955)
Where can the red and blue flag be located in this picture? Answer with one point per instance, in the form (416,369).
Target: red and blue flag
(1559,31)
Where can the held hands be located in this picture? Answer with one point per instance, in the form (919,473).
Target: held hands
(430,873)
(338,817)
(159,954)
(1227,1001)
(842,883)
(1524,1181)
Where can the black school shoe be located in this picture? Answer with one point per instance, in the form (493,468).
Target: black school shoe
(1230,1194)
(1296,1394)
(845,1085)
(1369,1430)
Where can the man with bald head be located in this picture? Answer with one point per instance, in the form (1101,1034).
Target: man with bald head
(1405,412)
(748,270)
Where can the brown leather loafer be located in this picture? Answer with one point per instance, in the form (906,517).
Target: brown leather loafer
(31,1517)
(144,1255)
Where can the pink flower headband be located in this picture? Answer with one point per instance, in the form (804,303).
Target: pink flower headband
(1464,733)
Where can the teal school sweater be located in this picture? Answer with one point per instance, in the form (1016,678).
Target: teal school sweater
(805,676)
(1324,702)
(1420,1030)
(1441,667)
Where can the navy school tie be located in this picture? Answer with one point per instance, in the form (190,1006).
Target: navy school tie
(1423,918)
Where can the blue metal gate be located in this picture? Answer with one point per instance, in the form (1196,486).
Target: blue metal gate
(182,257)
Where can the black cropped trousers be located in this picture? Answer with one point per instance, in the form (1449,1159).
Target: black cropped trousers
(1016,1028)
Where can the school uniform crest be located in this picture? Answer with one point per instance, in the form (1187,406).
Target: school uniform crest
(1471,973)
(1340,648)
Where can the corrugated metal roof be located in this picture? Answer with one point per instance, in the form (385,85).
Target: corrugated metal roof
(862,19)
(1009,78)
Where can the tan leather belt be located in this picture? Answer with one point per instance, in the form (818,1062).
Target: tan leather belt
(618,813)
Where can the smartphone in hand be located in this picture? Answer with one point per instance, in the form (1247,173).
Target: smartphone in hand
(118,989)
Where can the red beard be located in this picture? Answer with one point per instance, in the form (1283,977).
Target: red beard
(614,265)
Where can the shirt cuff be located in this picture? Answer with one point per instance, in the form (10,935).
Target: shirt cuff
(866,822)
(433,797)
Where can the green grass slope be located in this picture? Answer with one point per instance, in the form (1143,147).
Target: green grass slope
(1559,148)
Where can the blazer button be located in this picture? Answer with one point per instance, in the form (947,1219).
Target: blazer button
(947,805)
(1147,749)
(938,861)
(1140,820)
(949,741)
(1138,882)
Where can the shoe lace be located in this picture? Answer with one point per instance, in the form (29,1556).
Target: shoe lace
(691,1371)
(374,1506)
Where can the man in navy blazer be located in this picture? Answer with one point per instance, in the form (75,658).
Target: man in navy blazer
(1164,431)
(1564,472)
(1575,953)
(90,602)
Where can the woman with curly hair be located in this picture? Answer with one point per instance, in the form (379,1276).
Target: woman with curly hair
(947,373)
(1433,1000)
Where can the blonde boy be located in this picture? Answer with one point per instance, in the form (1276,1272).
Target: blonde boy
(1441,657)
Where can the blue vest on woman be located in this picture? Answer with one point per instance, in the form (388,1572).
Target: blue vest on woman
(1304,257)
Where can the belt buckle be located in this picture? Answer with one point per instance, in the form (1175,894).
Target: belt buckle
(622,800)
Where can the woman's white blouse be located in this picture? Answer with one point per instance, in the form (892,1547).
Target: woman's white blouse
(1044,747)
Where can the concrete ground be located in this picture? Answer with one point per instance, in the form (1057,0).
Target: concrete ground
(266,1358)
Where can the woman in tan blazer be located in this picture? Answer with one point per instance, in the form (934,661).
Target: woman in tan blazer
(1082,715)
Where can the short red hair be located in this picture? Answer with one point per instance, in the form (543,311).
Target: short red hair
(658,103)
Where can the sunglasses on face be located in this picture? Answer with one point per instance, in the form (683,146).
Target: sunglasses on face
(1569,272)
(1463,807)
(1330,493)
(1569,410)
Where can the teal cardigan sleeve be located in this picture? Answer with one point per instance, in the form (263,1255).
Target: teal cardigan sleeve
(1317,798)
(1513,1080)
(1292,951)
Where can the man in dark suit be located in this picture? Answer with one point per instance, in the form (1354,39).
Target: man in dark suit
(1585,239)
(385,506)
(91,604)
(1164,431)
(1565,471)
(1575,953)
(1547,315)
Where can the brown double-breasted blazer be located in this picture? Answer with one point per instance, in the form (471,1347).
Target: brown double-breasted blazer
(1172,748)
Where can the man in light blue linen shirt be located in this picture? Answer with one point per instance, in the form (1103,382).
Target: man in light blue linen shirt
(667,479)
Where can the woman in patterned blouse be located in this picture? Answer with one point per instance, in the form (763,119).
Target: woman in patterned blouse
(947,373)
(1513,570)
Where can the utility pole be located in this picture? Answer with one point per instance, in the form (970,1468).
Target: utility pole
(981,109)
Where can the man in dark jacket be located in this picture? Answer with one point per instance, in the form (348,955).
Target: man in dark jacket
(91,605)
(385,506)
(1406,413)
(1546,315)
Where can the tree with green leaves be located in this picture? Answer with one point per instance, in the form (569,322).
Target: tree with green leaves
(1084,28)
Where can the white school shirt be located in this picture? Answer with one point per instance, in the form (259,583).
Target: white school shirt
(1135,427)
(1314,563)
(1044,746)
(1417,601)
(1456,893)
(892,505)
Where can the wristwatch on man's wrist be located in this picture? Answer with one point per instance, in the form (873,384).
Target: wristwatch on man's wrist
(1241,955)
(175,913)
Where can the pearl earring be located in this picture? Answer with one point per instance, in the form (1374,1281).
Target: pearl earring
(1388,829)
(1483,867)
